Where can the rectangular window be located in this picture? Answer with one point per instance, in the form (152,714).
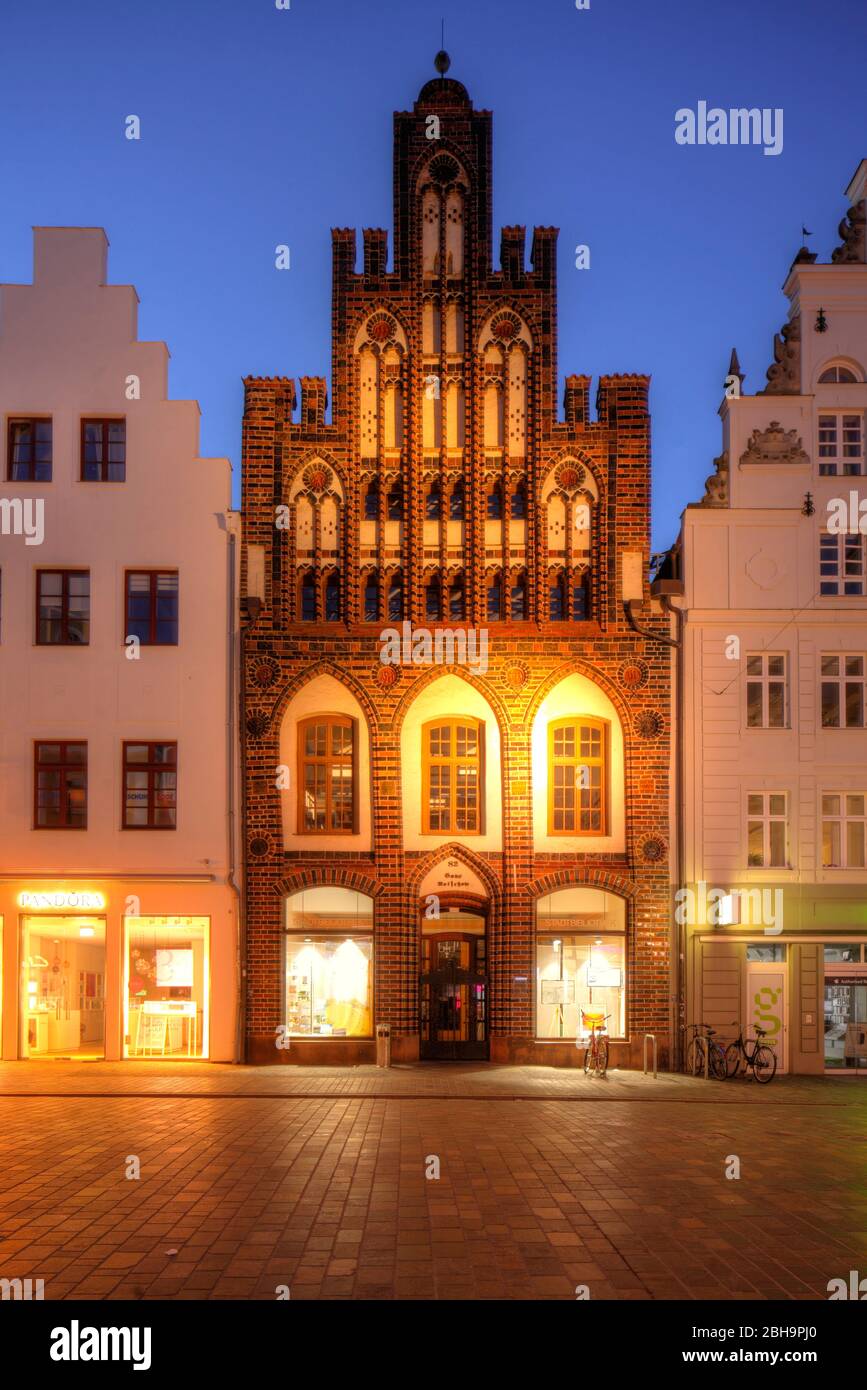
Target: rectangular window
(767,703)
(152,607)
(63,608)
(844,821)
(577,777)
(767,830)
(841,565)
(103,451)
(60,786)
(28,457)
(326,776)
(841,445)
(150,786)
(166,974)
(843,691)
(328,985)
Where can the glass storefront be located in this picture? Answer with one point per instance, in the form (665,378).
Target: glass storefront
(166,980)
(845,1008)
(328,964)
(62,1011)
(580,962)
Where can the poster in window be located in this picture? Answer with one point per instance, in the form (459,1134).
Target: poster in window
(558,991)
(174,968)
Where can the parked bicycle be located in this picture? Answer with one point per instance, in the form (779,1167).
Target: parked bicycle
(751,1055)
(703,1045)
(596,1052)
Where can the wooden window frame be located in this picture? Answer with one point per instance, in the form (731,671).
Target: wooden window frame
(153,577)
(454,722)
(343,721)
(580,721)
(31,420)
(61,765)
(104,421)
(66,575)
(841,682)
(151,767)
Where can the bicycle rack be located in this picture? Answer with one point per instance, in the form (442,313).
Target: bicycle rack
(650,1037)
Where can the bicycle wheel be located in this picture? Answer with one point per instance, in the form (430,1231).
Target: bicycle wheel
(718,1063)
(764,1063)
(589,1064)
(694,1061)
(733,1059)
(602,1057)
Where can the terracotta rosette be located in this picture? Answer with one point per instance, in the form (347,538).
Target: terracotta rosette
(632,675)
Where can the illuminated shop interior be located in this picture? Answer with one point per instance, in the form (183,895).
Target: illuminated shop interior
(580,962)
(166,978)
(328,977)
(63,987)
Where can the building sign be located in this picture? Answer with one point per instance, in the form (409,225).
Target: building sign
(62,901)
(452,876)
(846,981)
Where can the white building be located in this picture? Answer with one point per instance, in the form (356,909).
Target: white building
(775,686)
(117,646)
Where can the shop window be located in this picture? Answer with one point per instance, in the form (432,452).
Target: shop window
(103,451)
(29,449)
(63,608)
(767,683)
(578,777)
(845,1009)
(453,776)
(371,599)
(60,784)
(767,830)
(328,964)
(166,971)
(150,786)
(580,973)
(62,1005)
(152,607)
(326,775)
(844,824)
(843,692)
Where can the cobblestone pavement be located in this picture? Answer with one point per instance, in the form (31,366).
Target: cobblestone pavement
(257,1178)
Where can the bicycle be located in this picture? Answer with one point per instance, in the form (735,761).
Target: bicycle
(762,1060)
(596,1052)
(694,1061)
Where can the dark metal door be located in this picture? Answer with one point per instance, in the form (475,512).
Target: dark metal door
(453,1003)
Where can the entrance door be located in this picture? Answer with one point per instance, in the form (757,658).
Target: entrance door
(766,1006)
(62,987)
(453,1005)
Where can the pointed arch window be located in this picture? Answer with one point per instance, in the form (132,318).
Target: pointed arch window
(308,599)
(581,599)
(395,599)
(434,503)
(519,502)
(456,502)
(371,501)
(332,599)
(578,756)
(495,598)
(518,599)
(495,502)
(327,775)
(557,599)
(457,600)
(433,600)
(453,776)
(371,599)
(395,503)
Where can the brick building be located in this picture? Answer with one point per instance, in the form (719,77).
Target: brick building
(456,739)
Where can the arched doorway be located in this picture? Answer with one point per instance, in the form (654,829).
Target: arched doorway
(453,981)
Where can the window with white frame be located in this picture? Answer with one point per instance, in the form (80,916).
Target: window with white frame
(841,565)
(844,685)
(841,444)
(767,705)
(844,826)
(767,830)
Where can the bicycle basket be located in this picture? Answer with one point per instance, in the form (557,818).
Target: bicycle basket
(594,1018)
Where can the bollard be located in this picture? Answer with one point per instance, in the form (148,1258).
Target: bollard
(383,1045)
(650,1037)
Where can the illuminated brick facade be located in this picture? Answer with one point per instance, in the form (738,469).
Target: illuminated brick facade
(446,493)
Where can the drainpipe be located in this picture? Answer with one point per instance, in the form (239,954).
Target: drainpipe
(663,589)
(240,907)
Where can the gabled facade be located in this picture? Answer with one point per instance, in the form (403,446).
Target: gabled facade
(775,685)
(456,742)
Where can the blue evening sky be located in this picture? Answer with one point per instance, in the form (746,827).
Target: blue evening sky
(262,126)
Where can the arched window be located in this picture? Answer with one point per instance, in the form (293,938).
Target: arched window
(395,599)
(495,502)
(434,503)
(577,776)
(371,501)
(457,606)
(842,376)
(557,599)
(433,600)
(371,599)
(518,599)
(456,502)
(495,598)
(326,775)
(308,599)
(581,599)
(332,599)
(395,503)
(453,772)
(519,502)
